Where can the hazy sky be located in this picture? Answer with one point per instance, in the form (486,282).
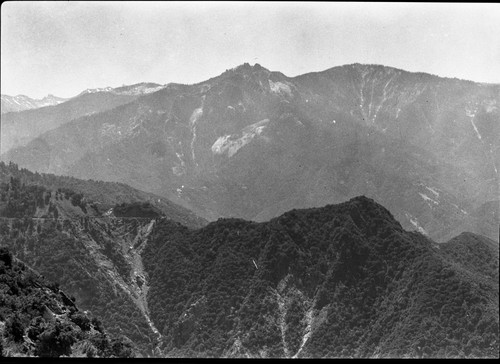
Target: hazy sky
(63,48)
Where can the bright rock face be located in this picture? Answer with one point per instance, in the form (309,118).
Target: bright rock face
(230,145)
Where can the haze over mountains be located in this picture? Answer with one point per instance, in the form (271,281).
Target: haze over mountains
(253,144)
(19,128)
(22,102)
(334,168)
(338,199)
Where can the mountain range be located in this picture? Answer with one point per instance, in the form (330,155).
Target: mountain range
(348,213)
(253,144)
(19,128)
(22,102)
(342,280)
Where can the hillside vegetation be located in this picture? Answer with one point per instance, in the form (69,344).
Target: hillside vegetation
(343,280)
(94,256)
(38,319)
(340,281)
(253,143)
(103,195)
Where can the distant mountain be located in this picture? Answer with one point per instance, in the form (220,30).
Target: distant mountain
(17,129)
(102,195)
(38,319)
(136,89)
(252,143)
(22,102)
(339,281)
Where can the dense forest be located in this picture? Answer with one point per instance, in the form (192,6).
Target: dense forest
(340,281)
(136,209)
(61,234)
(104,195)
(38,319)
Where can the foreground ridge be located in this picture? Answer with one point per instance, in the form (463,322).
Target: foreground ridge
(38,319)
(338,281)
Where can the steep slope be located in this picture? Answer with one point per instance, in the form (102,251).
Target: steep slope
(38,319)
(94,261)
(252,143)
(340,281)
(92,253)
(22,102)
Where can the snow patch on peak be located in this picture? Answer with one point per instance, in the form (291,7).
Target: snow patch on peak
(141,89)
(94,90)
(133,90)
(23,102)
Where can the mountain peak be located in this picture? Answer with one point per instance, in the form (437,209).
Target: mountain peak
(23,102)
(247,67)
(94,90)
(363,208)
(364,202)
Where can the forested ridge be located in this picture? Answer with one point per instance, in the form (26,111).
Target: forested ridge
(38,319)
(65,236)
(344,280)
(340,281)
(101,195)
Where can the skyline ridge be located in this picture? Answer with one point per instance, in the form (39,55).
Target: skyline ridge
(64,47)
(256,63)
